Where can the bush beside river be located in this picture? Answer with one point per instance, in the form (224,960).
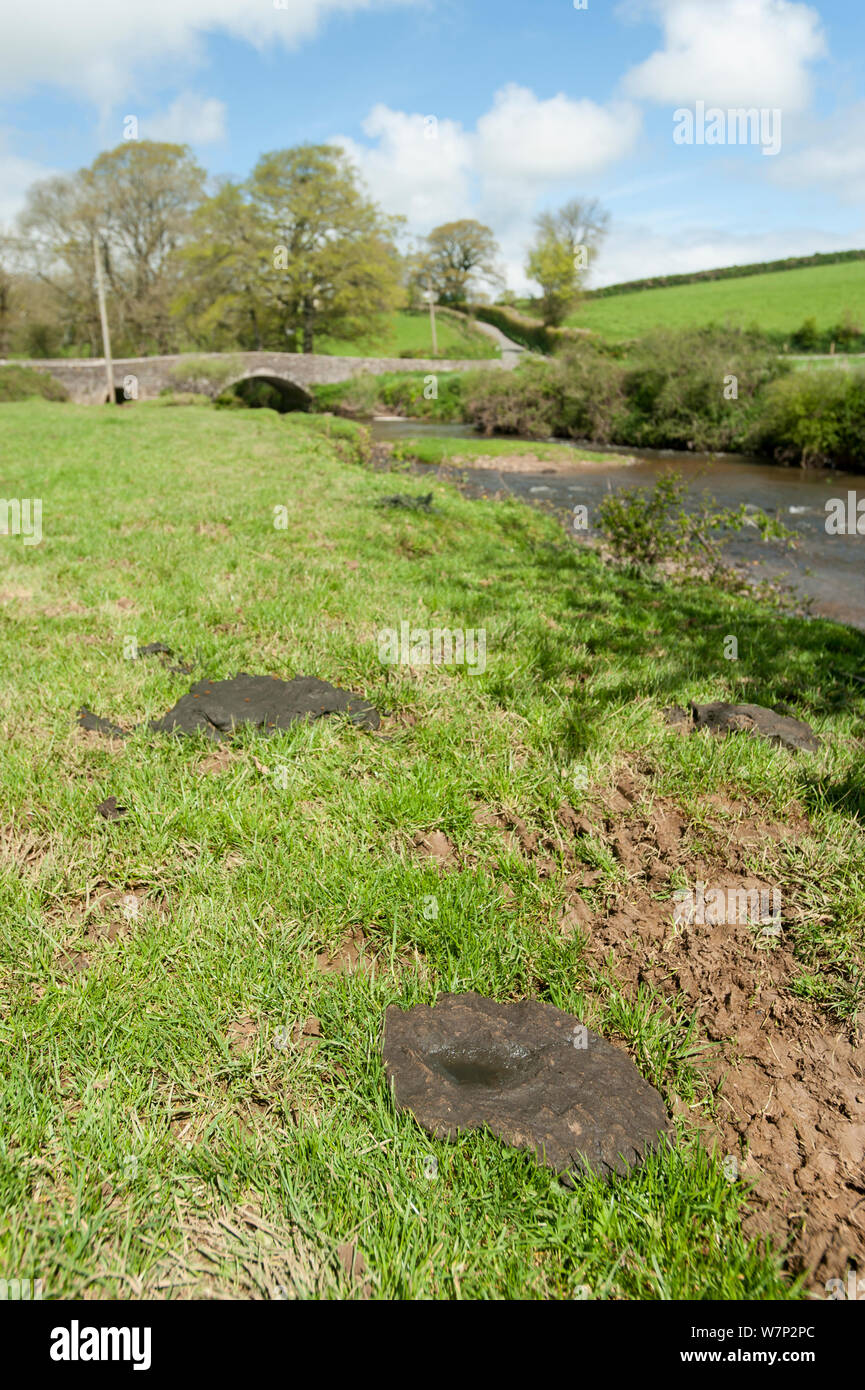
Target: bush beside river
(695,389)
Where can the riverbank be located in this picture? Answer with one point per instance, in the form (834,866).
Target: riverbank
(462,448)
(824,571)
(194,991)
(721,391)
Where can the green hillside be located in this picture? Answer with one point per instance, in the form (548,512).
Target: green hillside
(778,301)
(408,332)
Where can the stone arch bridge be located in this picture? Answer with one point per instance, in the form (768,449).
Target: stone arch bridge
(142,378)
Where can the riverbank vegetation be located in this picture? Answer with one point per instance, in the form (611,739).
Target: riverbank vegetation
(720,390)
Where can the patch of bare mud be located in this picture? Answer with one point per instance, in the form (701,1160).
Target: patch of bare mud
(89,738)
(241,1034)
(357,954)
(354,954)
(22,850)
(530,462)
(103,916)
(788,1083)
(216,762)
(435,846)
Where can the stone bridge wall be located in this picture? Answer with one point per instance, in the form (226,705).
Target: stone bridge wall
(84,378)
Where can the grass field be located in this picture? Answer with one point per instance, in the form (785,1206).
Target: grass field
(193,1098)
(409,331)
(779,302)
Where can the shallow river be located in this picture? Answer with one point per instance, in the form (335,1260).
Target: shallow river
(826,569)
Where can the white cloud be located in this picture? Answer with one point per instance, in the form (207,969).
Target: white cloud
(521,148)
(16,176)
(189,120)
(731,53)
(95,48)
(419,166)
(525,138)
(833,159)
(635,250)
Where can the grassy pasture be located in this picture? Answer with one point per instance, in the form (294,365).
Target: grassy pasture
(778,301)
(191,1103)
(409,331)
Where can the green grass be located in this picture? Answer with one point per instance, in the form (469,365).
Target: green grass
(832,363)
(408,331)
(444,450)
(131,1118)
(779,302)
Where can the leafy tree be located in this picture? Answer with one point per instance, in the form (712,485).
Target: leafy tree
(296,251)
(807,336)
(221,299)
(335,267)
(56,244)
(457,256)
(560,254)
(5,296)
(145,194)
(138,199)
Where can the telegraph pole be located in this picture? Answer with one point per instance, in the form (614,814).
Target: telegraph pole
(103,318)
(432,317)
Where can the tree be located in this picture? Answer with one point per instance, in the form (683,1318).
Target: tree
(560,254)
(457,256)
(335,267)
(5,296)
(220,298)
(296,251)
(145,193)
(56,245)
(138,200)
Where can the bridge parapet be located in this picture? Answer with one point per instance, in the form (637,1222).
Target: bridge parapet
(84,378)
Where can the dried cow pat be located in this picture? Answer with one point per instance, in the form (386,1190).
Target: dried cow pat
(719,717)
(533,1075)
(215,708)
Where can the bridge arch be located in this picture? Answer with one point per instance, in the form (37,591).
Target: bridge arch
(285,395)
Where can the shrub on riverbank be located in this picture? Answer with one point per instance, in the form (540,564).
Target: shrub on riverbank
(22,383)
(528,401)
(398,393)
(816,419)
(695,389)
(649,531)
(679,390)
(705,390)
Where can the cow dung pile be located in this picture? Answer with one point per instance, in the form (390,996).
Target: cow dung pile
(216,708)
(533,1075)
(723,718)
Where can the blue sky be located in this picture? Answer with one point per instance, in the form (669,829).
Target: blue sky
(532,102)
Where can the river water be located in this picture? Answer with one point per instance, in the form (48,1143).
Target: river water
(826,571)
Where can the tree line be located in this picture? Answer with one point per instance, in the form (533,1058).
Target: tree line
(296,252)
